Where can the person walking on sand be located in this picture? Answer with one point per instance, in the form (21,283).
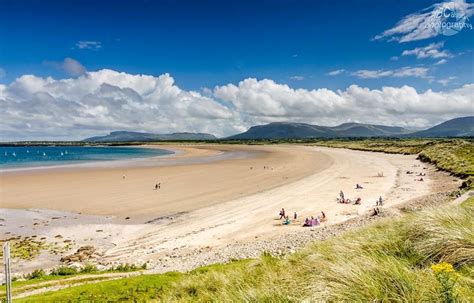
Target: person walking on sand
(156,186)
(341,194)
(282,213)
(295,216)
(379,201)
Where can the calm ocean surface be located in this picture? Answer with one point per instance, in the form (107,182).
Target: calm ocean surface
(38,156)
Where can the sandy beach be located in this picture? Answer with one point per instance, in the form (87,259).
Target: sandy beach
(211,197)
(195,178)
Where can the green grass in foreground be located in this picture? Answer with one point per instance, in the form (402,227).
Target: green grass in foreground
(426,256)
(469,202)
(64,275)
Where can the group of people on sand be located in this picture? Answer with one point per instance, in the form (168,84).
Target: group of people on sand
(315,221)
(157,186)
(264,167)
(342,199)
(286,218)
(307,222)
(421,175)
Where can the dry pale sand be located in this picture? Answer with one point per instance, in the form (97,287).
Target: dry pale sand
(184,186)
(202,205)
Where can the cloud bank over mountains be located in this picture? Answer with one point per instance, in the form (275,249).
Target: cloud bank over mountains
(35,108)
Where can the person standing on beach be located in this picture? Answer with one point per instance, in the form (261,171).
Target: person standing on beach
(379,201)
(282,213)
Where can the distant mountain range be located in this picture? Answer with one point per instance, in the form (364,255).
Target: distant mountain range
(125,136)
(458,127)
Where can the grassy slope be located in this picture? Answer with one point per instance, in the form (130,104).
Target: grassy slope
(22,286)
(143,288)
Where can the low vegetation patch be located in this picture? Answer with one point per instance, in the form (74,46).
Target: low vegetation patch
(65,275)
(144,288)
(23,248)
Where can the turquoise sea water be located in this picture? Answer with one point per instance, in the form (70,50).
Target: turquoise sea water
(37,156)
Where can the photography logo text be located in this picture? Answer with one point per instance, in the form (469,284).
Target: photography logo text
(449,19)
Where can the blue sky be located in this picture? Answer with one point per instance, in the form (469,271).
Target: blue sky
(223,66)
(208,43)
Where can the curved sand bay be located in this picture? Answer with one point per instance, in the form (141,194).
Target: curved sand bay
(197,177)
(211,196)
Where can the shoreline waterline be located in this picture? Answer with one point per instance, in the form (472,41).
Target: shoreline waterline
(178,156)
(26,158)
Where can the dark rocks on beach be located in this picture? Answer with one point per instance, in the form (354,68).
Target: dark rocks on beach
(84,253)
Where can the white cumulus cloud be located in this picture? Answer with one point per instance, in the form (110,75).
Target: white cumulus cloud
(261,101)
(432,50)
(95,103)
(103,101)
(440,62)
(297,78)
(88,44)
(336,72)
(69,66)
(418,72)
